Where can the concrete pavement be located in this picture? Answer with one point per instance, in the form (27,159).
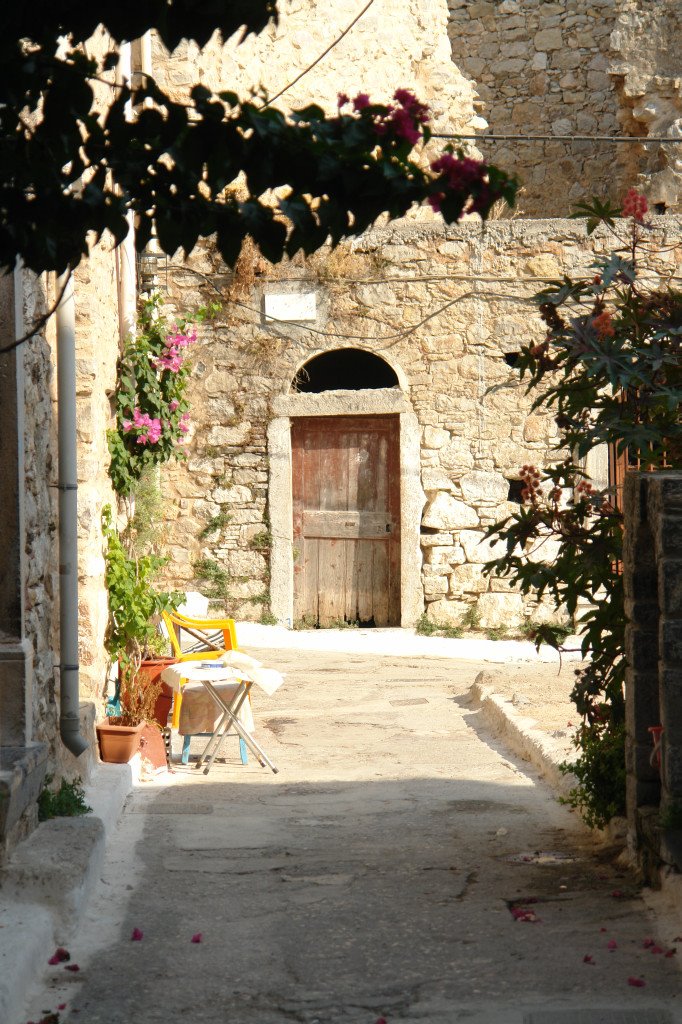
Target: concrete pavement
(402,865)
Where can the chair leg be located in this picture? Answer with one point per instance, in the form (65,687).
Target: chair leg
(243,751)
(184,758)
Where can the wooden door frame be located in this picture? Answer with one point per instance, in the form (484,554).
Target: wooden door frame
(380,402)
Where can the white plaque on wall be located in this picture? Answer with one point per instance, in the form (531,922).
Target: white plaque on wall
(291,306)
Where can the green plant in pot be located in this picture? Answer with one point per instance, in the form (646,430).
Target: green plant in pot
(135,604)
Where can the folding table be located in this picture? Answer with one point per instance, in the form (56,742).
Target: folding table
(228,688)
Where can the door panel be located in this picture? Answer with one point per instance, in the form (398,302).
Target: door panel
(346,498)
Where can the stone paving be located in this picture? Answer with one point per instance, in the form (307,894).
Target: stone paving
(401,866)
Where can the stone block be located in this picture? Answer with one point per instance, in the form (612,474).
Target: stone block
(641,647)
(456,455)
(435,586)
(468,579)
(670,642)
(446,613)
(229,435)
(496,610)
(435,437)
(429,540)
(478,548)
(548,39)
(478,486)
(247,563)
(450,555)
(447,513)
(436,480)
(238,495)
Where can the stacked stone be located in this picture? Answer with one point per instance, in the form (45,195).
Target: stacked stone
(556,69)
(477,425)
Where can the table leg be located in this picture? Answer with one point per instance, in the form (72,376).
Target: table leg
(251,743)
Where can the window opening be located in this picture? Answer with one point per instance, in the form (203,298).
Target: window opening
(344,369)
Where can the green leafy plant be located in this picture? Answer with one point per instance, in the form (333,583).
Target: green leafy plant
(261,541)
(215,524)
(471,618)
(267,618)
(152,416)
(610,372)
(497,632)
(425,627)
(213,578)
(66,802)
(135,604)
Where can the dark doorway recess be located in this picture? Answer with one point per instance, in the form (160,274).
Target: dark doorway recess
(344,369)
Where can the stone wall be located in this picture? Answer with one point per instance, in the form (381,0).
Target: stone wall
(397,43)
(544,68)
(652,559)
(443,307)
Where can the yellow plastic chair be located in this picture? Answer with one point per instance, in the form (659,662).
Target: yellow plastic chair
(199,640)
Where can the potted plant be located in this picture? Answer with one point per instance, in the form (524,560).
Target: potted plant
(133,640)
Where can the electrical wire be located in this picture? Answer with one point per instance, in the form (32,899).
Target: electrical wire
(317,60)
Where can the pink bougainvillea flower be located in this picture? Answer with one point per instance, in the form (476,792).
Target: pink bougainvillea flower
(524,914)
(636,982)
(173,405)
(198,937)
(656,949)
(136,935)
(612,944)
(342,99)
(587,959)
(361,101)
(62,1006)
(72,967)
(59,956)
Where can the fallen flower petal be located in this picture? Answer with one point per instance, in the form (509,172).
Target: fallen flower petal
(671,952)
(59,956)
(602,929)
(617,894)
(612,944)
(136,935)
(636,982)
(656,949)
(648,943)
(62,1006)
(381,1020)
(197,938)
(72,967)
(587,959)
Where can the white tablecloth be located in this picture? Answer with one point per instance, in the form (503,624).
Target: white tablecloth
(198,712)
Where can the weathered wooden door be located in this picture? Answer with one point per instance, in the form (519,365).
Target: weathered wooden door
(346,499)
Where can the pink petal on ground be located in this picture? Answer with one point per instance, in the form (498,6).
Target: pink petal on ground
(62,1006)
(648,943)
(587,959)
(381,1020)
(197,938)
(671,952)
(59,956)
(602,929)
(617,894)
(72,967)
(636,982)
(612,944)
(656,949)
(136,935)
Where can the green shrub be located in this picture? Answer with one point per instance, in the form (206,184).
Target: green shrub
(66,802)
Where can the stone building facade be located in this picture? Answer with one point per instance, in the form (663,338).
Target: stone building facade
(443,308)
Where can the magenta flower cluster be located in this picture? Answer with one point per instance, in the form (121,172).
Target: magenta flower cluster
(174,355)
(402,119)
(462,174)
(149,427)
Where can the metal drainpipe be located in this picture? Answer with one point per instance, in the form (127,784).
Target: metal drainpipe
(69,699)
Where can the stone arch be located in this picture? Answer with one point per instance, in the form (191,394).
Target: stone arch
(344,369)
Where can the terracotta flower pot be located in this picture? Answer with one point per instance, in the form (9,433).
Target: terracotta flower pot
(118,743)
(153,746)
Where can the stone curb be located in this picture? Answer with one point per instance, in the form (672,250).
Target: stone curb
(45,885)
(523,738)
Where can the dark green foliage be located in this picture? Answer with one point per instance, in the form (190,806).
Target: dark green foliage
(68,170)
(213,578)
(66,802)
(610,371)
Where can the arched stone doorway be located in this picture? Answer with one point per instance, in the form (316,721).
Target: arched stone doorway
(344,494)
